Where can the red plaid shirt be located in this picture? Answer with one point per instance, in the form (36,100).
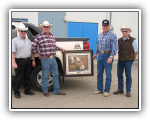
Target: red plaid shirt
(47,45)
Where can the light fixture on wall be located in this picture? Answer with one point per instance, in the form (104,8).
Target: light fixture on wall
(65,18)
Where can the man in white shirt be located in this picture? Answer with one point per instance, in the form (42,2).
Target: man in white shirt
(21,53)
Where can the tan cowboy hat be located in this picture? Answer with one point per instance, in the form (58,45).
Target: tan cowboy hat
(21,27)
(45,23)
(125,26)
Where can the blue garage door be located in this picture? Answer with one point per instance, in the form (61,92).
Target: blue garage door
(81,29)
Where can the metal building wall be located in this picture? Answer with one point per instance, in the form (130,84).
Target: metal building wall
(59,28)
(130,18)
(31,16)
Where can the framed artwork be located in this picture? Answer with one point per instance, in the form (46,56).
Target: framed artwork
(78,63)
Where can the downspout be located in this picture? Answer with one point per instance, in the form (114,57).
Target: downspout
(110,17)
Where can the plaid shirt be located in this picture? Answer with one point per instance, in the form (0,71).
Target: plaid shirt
(47,45)
(107,42)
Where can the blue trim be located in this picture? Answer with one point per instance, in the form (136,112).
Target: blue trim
(20,19)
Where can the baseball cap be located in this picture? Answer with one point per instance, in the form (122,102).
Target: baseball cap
(105,22)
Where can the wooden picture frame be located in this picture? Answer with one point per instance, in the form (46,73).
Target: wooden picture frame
(78,63)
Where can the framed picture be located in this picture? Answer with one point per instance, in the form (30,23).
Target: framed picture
(78,63)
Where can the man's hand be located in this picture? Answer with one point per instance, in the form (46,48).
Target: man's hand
(62,49)
(33,63)
(94,56)
(14,65)
(40,57)
(109,60)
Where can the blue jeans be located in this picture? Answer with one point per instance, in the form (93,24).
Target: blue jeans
(101,65)
(127,65)
(49,65)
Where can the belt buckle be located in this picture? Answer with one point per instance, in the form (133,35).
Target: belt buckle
(51,57)
(101,51)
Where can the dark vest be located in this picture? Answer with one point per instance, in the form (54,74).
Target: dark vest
(126,52)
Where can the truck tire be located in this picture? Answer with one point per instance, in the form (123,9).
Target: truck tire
(36,78)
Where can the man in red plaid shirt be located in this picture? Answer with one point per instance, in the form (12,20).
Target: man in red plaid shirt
(47,46)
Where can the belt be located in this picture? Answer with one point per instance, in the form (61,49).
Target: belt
(102,52)
(51,57)
(23,58)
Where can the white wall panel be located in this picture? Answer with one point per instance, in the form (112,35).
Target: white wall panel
(130,18)
(31,16)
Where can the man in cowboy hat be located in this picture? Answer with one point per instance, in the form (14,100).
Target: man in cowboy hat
(128,50)
(47,45)
(21,52)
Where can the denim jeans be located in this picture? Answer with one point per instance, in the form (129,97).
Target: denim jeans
(127,65)
(101,65)
(49,65)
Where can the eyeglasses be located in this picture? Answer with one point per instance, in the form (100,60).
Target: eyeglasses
(23,31)
(46,26)
(125,31)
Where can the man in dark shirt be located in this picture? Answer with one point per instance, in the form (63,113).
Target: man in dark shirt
(128,50)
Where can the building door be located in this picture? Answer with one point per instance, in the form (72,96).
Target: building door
(87,30)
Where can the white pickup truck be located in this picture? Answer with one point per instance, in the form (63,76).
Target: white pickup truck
(66,43)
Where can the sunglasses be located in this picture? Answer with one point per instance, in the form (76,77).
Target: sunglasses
(23,31)
(125,31)
(46,26)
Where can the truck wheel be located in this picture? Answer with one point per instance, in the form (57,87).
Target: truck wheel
(36,78)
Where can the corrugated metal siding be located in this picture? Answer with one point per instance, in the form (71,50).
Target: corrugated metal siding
(130,18)
(59,28)
(31,16)
(86,16)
